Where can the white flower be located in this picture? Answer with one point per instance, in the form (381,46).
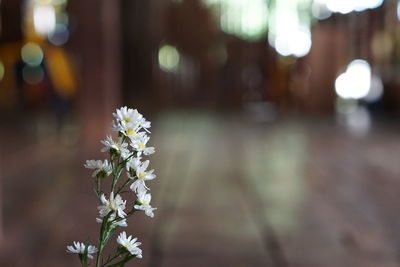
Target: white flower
(119,146)
(139,145)
(142,175)
(99,167)
(127,115)
(80,249)
(144,200)
(129,119)
(130,244)
(132,165)
(114,205)
(130,130)
(121,222)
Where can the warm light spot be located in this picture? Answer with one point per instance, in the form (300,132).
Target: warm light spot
(2,70)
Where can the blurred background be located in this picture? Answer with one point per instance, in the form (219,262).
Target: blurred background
(276,126)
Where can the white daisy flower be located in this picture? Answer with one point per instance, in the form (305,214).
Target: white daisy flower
(102,167)
(119,146)
(127,116)
(144,199)
(145,125)
(130,244)
(130,130)
(79,248)
(114,205)
(132,165)
(142,176)
(140,146)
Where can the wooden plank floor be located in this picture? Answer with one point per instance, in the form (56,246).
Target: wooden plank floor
(293,193)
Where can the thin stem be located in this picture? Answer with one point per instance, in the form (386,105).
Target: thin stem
(116,174)
(113,258)
(122,262)
(122,186)
(101,240)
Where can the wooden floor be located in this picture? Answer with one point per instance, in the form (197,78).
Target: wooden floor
(293,193)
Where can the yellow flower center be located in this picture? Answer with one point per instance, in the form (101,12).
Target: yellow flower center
(141,146)
(127,120)
(141,175)
(130,132)
(116,145)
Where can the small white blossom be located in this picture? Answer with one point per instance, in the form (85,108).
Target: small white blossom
(129,121)
(119,146)
(144,199)
(121,222)
(140,146)
(114,205)
(142,176)
(130,244)
(99,166)
(133,164)
(130,130)
(79,248)
(127,115)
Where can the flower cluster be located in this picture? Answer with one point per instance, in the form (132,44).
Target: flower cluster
(125,154)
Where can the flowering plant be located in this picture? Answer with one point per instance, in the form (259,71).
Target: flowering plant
(124,154)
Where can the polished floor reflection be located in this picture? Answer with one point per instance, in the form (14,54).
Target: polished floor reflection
(230,192)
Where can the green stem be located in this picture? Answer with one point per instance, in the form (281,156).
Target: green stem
(113,258)
(115,175)
(101,240)
(127,258)
(122,186)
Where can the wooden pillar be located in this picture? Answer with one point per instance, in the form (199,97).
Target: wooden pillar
(98,50)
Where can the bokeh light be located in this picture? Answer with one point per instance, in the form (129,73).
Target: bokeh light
(398,10)
(376,90)
(32,54)
(44,19)
(32,75)
(59,2)
(320,11)
(2,70)
(355,82)
(289,28)
(168,58)
(238,17)
(60,35)
(296,42)
(347,6)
